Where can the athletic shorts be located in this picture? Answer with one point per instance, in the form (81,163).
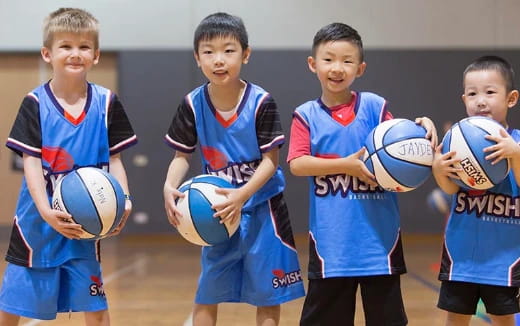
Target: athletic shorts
(40,293)
(258,265)
(463,297)
(332,301)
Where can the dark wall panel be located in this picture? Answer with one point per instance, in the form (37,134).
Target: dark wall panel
(415,82)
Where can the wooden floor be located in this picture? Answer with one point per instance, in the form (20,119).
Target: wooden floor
(151,280)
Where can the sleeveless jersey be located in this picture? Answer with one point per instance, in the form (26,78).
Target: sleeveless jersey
(482,243)
(44,129)
(354,228)
(230,148)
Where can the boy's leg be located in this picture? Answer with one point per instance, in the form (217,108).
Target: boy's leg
(97,318)
(268,315)
(205,314)
(455,319)
(382,300)
(506,320)
(330,301)
(7,319)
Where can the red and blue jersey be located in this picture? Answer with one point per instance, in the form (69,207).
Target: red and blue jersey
(482,243)
(230,148)
(45,130)
(354,228)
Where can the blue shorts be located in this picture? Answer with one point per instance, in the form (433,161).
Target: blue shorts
(42,292)
(259,265)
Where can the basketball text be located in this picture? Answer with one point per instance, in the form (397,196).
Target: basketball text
(472,172)
(415,148)
(342,184)
(287,279)
(496,205)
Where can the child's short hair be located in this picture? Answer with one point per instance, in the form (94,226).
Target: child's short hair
(338,32)
(493,62)
(220,24)
(71,20)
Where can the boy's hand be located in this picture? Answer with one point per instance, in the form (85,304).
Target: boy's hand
(444,164)
(63,223)
(431,132)
(504,148)
(230,209)
(357,168)
(170,195)
(122,223)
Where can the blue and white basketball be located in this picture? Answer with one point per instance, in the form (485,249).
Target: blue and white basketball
(94,199)
(467,139)
(399,155)
(197,224)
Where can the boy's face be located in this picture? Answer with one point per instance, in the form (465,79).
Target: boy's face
(485,94)
(337,64)
(71,54)
(221,59)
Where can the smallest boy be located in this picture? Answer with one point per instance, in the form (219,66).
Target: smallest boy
(62,125)
(481,254)
(354,238)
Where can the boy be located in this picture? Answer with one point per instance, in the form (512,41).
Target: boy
(238,129)
(62,125)
(482,247)
(354,225)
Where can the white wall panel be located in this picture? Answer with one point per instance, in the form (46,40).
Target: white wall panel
(169,24)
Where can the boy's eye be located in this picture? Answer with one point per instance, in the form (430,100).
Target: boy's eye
(490,92)
(230,50)
(327,59)
(471,94)
(206,52)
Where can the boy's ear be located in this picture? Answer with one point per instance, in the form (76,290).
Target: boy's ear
(97,53)
(247,54)
(311,63)
(46,54)
(196,56)
(512,98)
(361,69)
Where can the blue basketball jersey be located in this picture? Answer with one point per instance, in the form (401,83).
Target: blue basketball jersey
(44,129)
(482,243)
(354,228)
(231,148)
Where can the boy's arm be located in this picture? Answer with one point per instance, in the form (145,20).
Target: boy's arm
(59,220)
(117,169)
(506,148)
(443,168)
(176,172)
(231,208)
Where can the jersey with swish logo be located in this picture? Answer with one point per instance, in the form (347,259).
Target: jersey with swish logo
(354,228)
(45,130)
(482,242)
(230,148)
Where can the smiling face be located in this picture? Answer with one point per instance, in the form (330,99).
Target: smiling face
(71,54)
(221,59)
(485,94)
(337,64)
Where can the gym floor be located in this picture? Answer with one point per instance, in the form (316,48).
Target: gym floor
(151,280)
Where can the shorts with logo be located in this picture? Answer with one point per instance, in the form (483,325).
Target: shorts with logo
(41,293)
(463,297)
(258,265)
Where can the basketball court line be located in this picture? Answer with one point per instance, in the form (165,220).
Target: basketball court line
(114,276)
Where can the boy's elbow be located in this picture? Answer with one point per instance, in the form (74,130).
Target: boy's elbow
(296,168)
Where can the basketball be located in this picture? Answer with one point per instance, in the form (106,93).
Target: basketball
(399,155)
(197,224)
(94,199)
(467,139)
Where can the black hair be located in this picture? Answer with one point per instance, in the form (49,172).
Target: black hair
(493,62)
(338,32)
(220,24)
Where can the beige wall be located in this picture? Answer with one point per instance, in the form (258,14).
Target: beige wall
(20,73)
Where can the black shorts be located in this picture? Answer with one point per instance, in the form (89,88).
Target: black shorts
(332,301)
(463,297)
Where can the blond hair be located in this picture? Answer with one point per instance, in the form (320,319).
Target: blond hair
(71,20)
